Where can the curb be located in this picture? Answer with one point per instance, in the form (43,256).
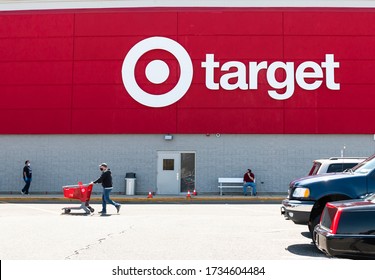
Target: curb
(155,199)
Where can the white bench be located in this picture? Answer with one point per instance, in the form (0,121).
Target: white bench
(230,183)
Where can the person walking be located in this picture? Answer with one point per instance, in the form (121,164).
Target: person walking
(249,180)
(106,180)
(27,177)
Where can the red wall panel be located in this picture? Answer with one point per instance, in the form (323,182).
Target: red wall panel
(97,72)
(35,121)
(301,120)
(242,48)
(230,22)
(351,97)
(36,97)
(36,24)
(36,49)
(35,73)
(96,96)
(355,121)
(228,99)
(126,23)
(62,70)
(107,121)
(330,22)
(231,121)
(315,47)
(361,72)
(151,120)
(103,48)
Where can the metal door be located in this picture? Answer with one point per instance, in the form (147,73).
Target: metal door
(168,177)
(176,172)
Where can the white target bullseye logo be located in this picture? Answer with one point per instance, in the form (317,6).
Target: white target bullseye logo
(157,72)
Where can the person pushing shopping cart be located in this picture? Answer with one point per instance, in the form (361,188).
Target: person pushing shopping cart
(106,180)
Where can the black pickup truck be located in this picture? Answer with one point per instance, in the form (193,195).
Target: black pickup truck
(307,196)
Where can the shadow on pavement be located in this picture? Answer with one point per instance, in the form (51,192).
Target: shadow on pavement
(306,234)
(75,214)
(308,250)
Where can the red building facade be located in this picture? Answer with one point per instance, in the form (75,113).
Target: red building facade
(63,70)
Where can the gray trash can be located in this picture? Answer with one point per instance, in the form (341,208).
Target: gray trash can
(130,183)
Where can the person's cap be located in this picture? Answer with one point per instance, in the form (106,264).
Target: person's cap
(103,164)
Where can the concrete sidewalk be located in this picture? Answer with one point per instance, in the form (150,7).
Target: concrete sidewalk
(96,198)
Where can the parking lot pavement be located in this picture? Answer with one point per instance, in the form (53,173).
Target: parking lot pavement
(153,231)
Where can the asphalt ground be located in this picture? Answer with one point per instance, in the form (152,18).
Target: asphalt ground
(39,241)
(39,231)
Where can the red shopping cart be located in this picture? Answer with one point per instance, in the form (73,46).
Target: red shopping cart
(81,192)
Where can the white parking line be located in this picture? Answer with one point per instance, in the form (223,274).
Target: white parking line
(30,207)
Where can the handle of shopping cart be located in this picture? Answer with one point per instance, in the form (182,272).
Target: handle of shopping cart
(79,185)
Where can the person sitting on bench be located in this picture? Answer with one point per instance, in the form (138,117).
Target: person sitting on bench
(249,180)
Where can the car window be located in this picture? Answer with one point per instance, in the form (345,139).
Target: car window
(366,166)
(315,168)
(340,167)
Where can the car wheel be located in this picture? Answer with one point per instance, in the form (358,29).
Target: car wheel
(312,224)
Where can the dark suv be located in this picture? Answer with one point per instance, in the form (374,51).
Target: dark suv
(308,196)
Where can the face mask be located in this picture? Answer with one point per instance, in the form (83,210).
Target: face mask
(28,164)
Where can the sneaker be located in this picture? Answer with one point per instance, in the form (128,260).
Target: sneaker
(118,208)
(102,212)
(22,192)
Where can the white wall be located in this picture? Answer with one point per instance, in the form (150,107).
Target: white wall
(59,160)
